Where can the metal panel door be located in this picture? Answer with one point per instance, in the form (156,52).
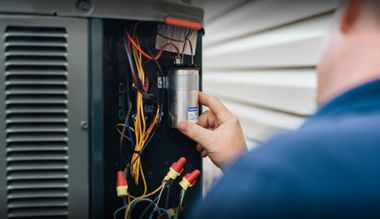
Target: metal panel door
(44,147)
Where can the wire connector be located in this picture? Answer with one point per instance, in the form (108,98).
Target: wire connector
(189,179)
(175,169)
(121,185)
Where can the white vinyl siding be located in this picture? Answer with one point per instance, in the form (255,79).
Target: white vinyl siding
(260,59)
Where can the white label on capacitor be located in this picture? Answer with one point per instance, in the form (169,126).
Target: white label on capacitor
(192,114)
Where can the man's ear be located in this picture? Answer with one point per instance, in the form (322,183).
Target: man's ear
(350,15)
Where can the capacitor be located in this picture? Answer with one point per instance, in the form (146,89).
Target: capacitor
(183,94)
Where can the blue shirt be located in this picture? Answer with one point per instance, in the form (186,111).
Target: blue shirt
(329,168)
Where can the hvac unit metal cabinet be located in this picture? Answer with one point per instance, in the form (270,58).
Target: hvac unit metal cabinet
(61,95)
(44,150)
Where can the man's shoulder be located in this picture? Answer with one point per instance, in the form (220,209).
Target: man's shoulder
(334,159)
(321,148)
(318,150)
(333,130)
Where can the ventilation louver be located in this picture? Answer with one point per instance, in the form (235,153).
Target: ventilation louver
(36,122)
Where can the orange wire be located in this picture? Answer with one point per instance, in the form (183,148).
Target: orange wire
(147,55)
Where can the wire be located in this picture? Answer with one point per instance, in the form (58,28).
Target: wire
(142,132)
(159,209)
(149,139)
(139,85)
(136,46)
(181,198)
(183,192)
(191,50)
(155,201)
(133,203)
(122,132)
(167,195)
(188,34)
(118,210)
(146,195)
(159,195)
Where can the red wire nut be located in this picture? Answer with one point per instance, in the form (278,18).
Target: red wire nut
(175,169)
(121,184)
(178,166)
(190,179)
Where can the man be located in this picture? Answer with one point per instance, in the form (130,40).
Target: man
(329,168)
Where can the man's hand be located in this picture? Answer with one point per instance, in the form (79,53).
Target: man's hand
(218,132)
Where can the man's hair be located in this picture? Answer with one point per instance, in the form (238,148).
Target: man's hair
(374,9)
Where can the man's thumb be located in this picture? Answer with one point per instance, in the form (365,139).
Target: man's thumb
(195,132)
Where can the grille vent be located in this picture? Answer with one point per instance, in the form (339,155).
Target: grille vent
(36,122)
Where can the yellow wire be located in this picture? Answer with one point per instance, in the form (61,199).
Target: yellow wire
(146,195)
(140,122)
(141,132)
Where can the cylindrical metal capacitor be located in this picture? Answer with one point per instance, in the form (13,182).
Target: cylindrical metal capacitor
(183,95)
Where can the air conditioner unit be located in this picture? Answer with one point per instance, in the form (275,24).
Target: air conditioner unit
(66,91)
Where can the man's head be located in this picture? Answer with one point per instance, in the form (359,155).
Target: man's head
(351,54)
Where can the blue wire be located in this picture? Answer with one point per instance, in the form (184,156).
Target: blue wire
(130,135)
(147,208)
(158,209)
(118,210)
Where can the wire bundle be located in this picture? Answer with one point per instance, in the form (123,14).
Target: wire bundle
(141,132)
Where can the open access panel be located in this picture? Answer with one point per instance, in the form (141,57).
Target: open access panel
(141,113)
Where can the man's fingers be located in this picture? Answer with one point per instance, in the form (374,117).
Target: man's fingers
(207,119)
(221,111)
(195,132)
(204,153)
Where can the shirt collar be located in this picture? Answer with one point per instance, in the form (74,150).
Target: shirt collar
(362,99)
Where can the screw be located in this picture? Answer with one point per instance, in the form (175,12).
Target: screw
(84,5)
(84,125)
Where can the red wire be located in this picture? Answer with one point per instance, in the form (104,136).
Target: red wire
(130,39)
